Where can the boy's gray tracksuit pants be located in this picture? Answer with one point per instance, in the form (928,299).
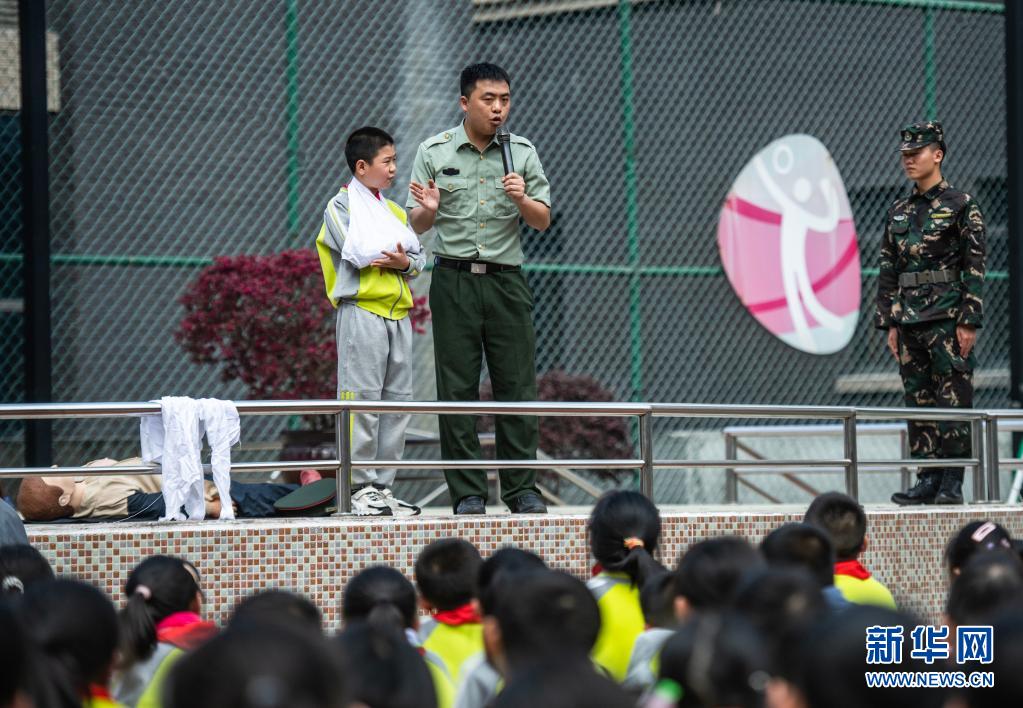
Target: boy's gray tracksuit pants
(374,363)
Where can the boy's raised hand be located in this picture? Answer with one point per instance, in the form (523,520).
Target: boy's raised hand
(396,259)
(427,197)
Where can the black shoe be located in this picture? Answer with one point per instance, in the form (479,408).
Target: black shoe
(923,492)
(471,505)
(527,503)
(950,491)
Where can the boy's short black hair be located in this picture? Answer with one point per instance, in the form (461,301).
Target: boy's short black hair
(446,572)
(842,518)
(504,564)
(547,613)
(277,607)
(711,570)
(804,546)
(364,144)
(483,71)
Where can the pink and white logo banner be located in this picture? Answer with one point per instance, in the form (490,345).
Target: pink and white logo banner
(788,245)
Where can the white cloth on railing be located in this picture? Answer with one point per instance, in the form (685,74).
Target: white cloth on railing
(174,440)
(223,429)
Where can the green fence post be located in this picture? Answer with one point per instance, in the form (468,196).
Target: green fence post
(631,202)
(291,72)
(930,74)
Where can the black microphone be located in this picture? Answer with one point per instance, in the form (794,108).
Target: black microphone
(503,139)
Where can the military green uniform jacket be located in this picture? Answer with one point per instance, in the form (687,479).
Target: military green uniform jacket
(939,230)
(476,220)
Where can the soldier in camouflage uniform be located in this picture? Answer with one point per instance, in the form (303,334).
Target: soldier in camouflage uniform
(929,299)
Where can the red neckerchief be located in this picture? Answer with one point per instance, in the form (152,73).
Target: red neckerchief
(97,691)
(852,568)
(466,614)
(596,570)
(185,630)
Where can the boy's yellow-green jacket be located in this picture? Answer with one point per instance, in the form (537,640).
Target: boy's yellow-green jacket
(382,291)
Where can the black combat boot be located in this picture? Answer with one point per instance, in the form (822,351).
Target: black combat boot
(950,491)
(923,492)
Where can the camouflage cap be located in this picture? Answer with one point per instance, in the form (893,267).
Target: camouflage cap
(918,135)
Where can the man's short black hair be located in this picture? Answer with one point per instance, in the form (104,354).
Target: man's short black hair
(842,518)
(446,572)
(804,546)
(364,144)
(483,71)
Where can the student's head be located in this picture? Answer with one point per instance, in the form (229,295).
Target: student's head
(380,596)
(382,670)
(485,97)
(546,613)
(782,604)
(657,599)
(446,572)
(841,517)
(1007,660)
(803,546)
(975,537)
(265,666)
(834,660)
(47,498)
(710,572)
(73,626)
(717,660)
(563,684)
(500,568)
(370,155)
(624,529)
(20,567)
(923,150)
(989,584)
(158,587)
(14,653)
(277,607)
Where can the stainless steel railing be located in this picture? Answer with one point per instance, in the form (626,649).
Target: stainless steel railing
(983,434)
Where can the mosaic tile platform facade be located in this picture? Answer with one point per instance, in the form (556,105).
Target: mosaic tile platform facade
(317,556)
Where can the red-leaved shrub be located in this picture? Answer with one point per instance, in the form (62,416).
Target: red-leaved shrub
(267,322)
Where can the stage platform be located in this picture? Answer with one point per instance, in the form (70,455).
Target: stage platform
(317,556)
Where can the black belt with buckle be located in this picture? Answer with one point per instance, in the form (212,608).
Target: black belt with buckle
(913,280)
(474,267)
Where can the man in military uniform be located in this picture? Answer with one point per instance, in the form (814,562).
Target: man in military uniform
(929,300)
(479,298)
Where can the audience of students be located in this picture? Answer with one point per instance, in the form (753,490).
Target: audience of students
(781,625)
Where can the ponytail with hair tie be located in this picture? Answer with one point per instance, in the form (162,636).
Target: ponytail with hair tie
(12,584)
(633,542)
(145,592)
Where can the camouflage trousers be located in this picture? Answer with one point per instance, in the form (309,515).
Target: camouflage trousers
(935,375)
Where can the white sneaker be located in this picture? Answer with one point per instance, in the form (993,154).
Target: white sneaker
(398,507)
(368,501)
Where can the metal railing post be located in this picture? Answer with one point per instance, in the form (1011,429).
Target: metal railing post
(343,439)
(991,452)
(852,482)
(646,452)
(977,449)
(731,478)
(904,472)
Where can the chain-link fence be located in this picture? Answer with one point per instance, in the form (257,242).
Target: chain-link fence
(192,129)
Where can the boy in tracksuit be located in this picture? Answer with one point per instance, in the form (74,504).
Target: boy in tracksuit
(374,333)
